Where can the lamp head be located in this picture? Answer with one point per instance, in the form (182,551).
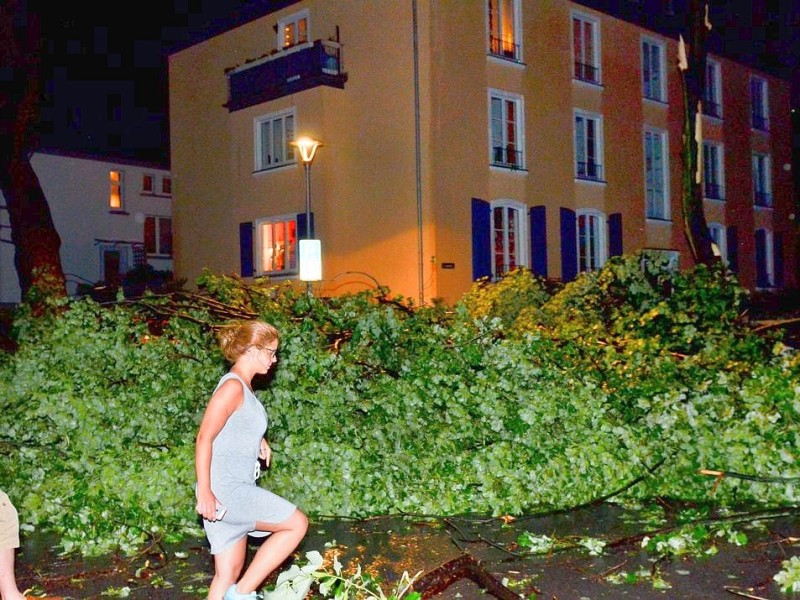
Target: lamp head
(307,147)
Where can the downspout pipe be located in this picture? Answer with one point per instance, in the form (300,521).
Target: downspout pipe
(418,155)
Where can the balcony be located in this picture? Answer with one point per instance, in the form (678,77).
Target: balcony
(506,156)
(504,48)
(286,72)
(762,198)
(589,170)
(714,191)
(586,72)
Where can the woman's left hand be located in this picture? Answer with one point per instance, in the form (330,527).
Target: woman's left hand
(265,453)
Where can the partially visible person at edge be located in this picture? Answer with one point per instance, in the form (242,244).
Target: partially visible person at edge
(230,443)
(9,542)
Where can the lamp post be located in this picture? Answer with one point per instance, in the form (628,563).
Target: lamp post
(308,148)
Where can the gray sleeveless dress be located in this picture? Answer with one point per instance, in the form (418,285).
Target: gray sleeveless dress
(234,470)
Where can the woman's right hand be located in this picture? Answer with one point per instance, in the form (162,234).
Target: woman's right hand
(207,504)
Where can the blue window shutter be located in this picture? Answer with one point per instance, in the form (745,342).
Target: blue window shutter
(762,280)
(481,239)
(615,234)
(733,249)
(538,217)
(569,245)
(246,248)
(778,259)
(301,226)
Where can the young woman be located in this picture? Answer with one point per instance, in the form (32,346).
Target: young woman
(230,443)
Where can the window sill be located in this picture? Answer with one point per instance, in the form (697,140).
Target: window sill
(505,60)
(160,256)
(596,85)
(759,130)
(655,101)
(155,195)
(118,211)
(658,222)
(499,168)
(283,167)
(590,180)
(762,207)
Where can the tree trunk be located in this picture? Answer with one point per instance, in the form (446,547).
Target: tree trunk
(33,233)
(693,72)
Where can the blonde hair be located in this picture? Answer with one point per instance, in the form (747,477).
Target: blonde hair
(236,337)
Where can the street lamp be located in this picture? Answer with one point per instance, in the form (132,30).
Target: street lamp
(310,250)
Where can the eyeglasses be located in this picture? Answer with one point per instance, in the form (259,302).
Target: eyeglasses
(273,354)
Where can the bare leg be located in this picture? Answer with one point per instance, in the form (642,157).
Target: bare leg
(276,549)
(8,583)
(227,566)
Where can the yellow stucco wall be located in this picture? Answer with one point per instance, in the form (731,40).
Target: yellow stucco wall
(364,179)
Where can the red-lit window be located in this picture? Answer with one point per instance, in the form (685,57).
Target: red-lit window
(158,236)
(276,246)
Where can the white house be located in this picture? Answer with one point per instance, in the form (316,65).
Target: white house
(112,215)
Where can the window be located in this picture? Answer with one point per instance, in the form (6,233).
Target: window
(114,108)
(592,251)
(504,29)
(712,95)
(148,187)
(713,173)
(509,236)
(765,263)
(759,106)
(586,48)
(762,181)
(719,237)
(166,186)
(273,134)
(276,245)
(655,161)
(293,30)
(158,236)
(506,135)
(116,190)
(653,70)
(588,146)
(662,258)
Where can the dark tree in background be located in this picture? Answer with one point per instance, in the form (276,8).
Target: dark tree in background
(692,68)
(36,240)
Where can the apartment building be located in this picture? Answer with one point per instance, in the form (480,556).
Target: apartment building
(112,215)
(461,140)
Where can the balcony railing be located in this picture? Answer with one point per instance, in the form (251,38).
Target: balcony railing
(286,72)
(506,156)
(586,72)
(762,198)
(714,191)
(504,48)
(712,109)
(760,122)
(590,170)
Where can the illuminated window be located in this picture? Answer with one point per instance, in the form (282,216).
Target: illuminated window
(504,29)
(115,197)
(293,30)
(147,183)
(655,170)
(588,146)
(507,140)
(158,236)
(273,135)
(712,94)
(653,70)
(509,236)
(762,180)
(586,48)
(592,251)
(713,171)
(276,246)
(759,104)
